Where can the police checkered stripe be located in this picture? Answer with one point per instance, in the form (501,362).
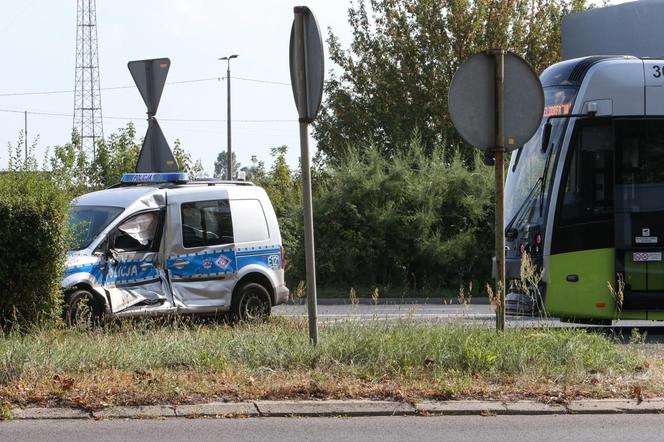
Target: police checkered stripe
(80,266)
(243,249)
(149,260)
(201,253)
(256,252)
(128,281)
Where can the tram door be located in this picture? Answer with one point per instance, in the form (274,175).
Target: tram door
(639,211)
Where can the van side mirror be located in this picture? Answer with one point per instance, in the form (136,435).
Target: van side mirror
(546,136)
(109,251)
(110,241)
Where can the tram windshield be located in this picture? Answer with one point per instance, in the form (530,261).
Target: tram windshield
(531,170)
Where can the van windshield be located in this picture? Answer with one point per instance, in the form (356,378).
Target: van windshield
(85,223)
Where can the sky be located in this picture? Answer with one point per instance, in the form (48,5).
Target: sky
(37,47)
(38,42)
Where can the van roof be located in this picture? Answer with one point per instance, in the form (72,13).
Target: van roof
(115,197)
(125,194)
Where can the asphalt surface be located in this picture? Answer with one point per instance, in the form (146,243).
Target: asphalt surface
(464,428)
(443,312)
(481,315)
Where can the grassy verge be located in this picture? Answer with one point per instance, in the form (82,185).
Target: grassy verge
(151,363)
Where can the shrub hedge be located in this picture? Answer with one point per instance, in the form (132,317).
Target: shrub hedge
(32,243)
(411,220)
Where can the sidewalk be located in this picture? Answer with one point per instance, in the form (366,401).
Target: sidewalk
(310,408)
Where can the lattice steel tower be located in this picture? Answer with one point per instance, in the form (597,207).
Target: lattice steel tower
(87,96)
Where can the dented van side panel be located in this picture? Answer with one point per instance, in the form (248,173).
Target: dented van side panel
(196,268)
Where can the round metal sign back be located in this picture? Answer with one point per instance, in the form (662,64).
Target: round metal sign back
(471,101)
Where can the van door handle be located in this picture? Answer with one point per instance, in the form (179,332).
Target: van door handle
(572,278)
(146,265)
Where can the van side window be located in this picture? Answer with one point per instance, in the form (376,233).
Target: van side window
(137,234)
(206,223)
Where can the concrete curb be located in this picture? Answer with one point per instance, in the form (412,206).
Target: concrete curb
(310,408)
(334,408)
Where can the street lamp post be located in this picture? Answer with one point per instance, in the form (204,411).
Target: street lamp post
(229,161)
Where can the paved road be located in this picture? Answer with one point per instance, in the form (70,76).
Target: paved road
(464,428)
(477,313)
(473,314)
(393,311)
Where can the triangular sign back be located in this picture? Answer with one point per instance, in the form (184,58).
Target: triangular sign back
(155,156)
(150,78)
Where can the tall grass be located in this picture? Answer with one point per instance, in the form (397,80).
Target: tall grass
(402,349)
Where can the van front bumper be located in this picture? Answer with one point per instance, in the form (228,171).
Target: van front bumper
(281,295)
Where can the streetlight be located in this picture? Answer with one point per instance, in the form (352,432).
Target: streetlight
(229,162)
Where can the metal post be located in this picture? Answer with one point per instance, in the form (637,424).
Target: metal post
(499,57)
(25,134)
(229,161)
(229,154)
(310,257)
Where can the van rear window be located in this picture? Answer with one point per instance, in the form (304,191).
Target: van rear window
(206,223)
(250,222)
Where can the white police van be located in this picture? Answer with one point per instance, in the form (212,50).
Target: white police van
(160,244)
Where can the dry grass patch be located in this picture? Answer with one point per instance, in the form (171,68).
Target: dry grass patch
(152,363)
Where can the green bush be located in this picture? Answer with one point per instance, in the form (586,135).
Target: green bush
(32,241)
(412,220)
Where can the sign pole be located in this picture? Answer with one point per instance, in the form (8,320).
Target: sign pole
(499,59)
(306,65)
(496,103)
(229,157)
(309,254)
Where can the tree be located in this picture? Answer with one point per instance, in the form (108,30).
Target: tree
(280,183)
(220,165)
(119,153)
(415,220)
(284,188)
(68,166)
(255,172)
(116,156)
(395,76)
(193,168)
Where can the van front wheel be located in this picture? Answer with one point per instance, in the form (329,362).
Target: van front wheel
(82,309)
(251,303)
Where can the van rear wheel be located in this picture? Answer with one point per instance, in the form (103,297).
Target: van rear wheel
(82,309)
(251,303)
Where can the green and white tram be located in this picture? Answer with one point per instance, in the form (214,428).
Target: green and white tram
(585,196)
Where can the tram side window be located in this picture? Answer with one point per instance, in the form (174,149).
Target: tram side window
(589,186)
(640,152)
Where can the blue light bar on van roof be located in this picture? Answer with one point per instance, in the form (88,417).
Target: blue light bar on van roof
(171,177)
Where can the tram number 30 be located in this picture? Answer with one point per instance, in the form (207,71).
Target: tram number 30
(658,71)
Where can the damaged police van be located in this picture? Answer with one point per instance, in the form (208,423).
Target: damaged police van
(160,244)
